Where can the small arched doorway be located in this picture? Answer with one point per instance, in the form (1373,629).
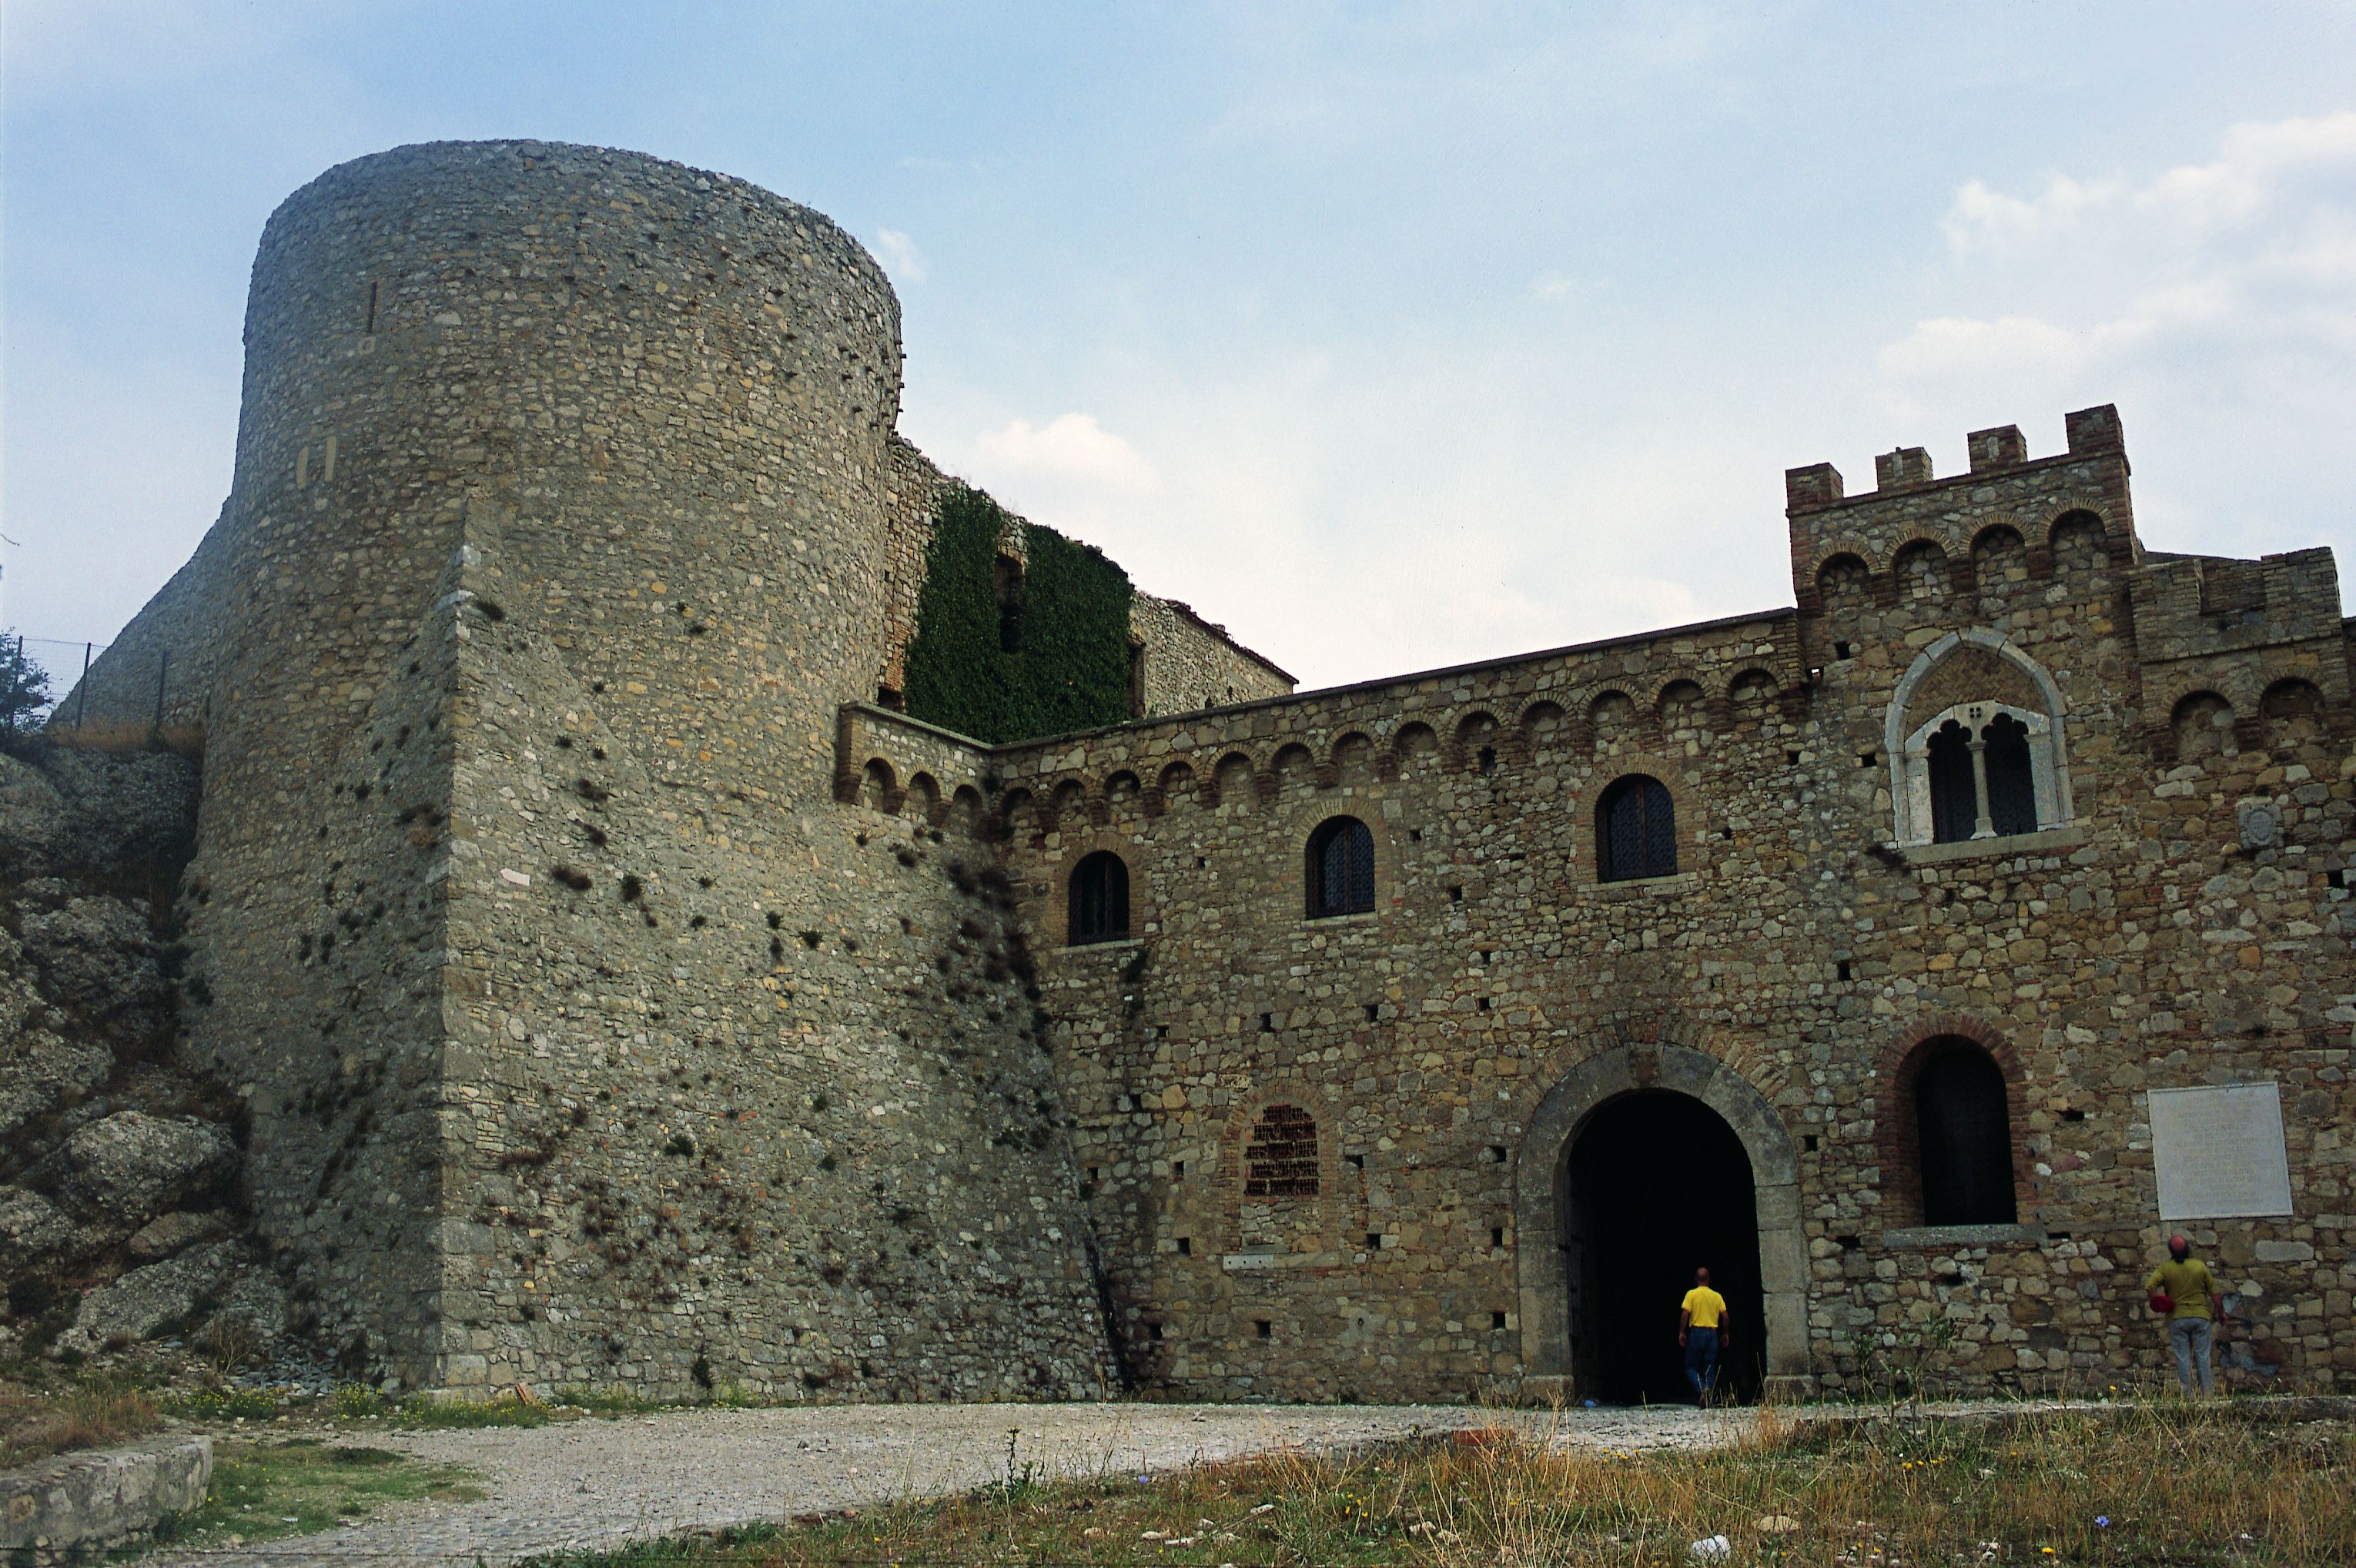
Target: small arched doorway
(1656,1185)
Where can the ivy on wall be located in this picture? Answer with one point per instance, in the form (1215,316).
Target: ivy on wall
(1005,658)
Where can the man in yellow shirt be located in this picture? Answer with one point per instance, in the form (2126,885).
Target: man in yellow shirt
(2193,1294)
(1705,1328)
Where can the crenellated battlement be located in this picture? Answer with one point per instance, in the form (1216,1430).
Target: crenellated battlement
(2007,522)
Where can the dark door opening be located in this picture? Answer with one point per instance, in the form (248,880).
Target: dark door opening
(1659,1185)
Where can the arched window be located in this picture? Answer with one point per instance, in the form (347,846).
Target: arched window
(1963,1134)
(2011,776)
(1099,899)
(1973,733)
(1955,799)
(1636,829)
(1341,868)
(1280,1153)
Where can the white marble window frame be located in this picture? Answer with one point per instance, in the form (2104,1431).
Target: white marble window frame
(1908,745)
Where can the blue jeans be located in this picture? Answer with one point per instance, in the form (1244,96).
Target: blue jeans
(2191,1339)
(1701,1360)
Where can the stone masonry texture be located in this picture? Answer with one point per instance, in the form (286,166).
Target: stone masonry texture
(624,995)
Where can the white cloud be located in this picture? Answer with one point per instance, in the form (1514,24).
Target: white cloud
(1553,285)
(901,257)
(2215,300)
(2013,344)
(1070,447)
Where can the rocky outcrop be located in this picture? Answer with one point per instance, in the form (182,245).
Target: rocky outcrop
(121,1213)
(66,811)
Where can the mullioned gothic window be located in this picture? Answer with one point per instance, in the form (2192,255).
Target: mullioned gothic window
(1341,870)
(1975,744)
(1636,830)
(1281,1155)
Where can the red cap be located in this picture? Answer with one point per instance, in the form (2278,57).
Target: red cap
(2177,1243)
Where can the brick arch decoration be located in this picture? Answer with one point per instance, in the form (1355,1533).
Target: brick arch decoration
(1475,728)
(1242,786)
(1881,577)
(1835,550)
(1078,846)
(1693,833)
(1997,523)
(1541,1217)
(877,787)
(1931,543)
(1893,1126)
(967,814)
(1235,1134)
(2239,690)
(2116,538)
(1415,742)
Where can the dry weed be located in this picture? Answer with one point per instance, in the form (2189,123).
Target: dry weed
(35,1426)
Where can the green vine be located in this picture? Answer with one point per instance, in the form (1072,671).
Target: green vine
(1003,661)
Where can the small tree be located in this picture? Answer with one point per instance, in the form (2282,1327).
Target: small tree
(24,687)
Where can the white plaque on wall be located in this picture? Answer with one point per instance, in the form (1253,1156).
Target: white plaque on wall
(2219,1152)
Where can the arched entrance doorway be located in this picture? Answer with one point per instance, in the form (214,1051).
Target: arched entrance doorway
(1656,1185)
(1551,1237)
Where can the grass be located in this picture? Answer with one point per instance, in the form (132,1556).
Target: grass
(93,1415)
(223,1404)
(506,1411)
(2133,1485)
(262,1490)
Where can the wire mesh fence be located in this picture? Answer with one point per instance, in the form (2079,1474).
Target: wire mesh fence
(46,682)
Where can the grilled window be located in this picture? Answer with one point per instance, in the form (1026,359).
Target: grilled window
(1963,1132)
(1341,868)
(1281,1155)
(1636,829)
(1099,899)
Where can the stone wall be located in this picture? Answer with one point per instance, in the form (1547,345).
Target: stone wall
(2138,939)
(1185,662)
(622,996)
(1182,661)
(583,1037)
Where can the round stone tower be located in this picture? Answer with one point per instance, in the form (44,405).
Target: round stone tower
(624,424)
(659,392)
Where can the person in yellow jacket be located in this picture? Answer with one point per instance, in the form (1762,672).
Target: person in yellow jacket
(2193,1302)
(1704,1330)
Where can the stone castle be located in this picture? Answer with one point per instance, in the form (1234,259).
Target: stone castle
(661,949)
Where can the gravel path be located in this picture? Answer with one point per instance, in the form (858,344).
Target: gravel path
(607,1483)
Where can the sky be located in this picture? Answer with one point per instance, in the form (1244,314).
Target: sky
(1388,336)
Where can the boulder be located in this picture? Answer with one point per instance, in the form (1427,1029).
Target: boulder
(173,1232)
(33,1228)
(131,1167)
(147,1299)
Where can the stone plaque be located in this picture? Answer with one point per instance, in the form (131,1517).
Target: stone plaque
(2219,1152)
